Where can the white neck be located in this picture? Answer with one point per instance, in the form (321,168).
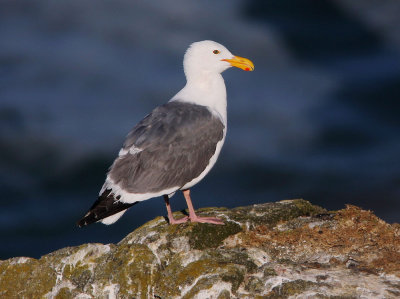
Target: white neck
(206,89)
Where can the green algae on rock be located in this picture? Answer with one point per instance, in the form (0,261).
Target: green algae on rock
(272,250)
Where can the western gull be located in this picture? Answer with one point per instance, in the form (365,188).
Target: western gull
(176,145)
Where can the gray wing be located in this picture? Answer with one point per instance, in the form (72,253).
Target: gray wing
(176,142)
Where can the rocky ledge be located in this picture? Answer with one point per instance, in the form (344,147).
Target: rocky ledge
(274,250)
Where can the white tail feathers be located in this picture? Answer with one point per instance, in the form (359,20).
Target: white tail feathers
(113,218)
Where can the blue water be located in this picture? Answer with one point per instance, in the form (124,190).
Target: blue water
(318,119)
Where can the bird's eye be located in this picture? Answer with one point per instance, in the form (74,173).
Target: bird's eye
(216,52)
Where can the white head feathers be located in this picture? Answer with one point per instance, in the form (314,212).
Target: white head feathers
(206,56)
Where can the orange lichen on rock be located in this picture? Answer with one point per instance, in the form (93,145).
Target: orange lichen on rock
(353,236)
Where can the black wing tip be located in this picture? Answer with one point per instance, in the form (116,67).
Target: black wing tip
(85,221)
(81,223)
(90,217)
(106,205)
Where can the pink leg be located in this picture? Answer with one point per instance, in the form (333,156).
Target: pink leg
(192,215)
(170,217)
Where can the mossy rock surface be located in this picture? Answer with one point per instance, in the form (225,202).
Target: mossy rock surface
(285,249)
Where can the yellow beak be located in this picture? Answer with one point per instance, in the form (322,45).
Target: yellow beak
(240,62)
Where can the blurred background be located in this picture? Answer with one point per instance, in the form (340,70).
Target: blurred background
(318,118)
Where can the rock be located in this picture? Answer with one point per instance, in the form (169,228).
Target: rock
(272,250)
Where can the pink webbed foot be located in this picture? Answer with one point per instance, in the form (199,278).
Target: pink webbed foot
(211,220)
(178,221)
(192,215)
(171,219)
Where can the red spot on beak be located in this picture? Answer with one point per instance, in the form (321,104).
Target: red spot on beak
(247,69)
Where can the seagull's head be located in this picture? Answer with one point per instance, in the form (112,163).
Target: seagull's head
(211,57)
